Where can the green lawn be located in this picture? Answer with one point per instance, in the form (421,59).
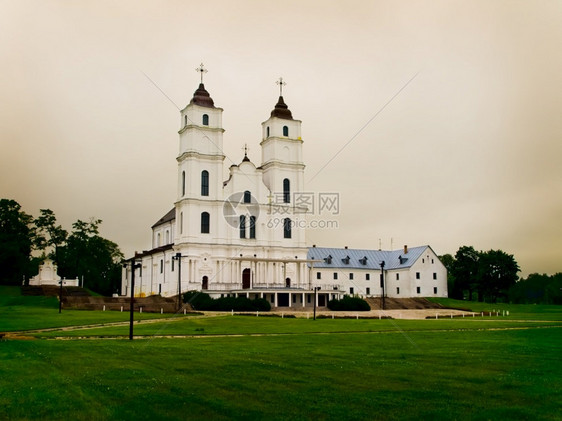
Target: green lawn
(19,312)
(299,369)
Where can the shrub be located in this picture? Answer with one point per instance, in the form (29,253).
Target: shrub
(202,301)
(348,303)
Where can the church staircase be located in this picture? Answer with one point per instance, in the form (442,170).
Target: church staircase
(401,303)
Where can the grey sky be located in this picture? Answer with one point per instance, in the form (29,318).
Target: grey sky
(468,154)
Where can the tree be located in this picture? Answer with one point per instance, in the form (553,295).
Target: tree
(497,272)
(49,234)
(465,270)
(452,286)
(17,234)
(88,255)
(537,289)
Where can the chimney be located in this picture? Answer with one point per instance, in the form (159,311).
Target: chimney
(314,245)
(346,247)
(405,249)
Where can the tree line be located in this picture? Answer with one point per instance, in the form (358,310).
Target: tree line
(81,253)
(491,276)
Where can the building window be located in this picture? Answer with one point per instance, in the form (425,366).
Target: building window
(287,228)
(172,264)
(318,275)
(183,183)
(286,190)
(432,261)
(435,290)
(351,276)
(335,275)
(267,131)
(418,290)
(397,290)
(205,119)
(242,226)
(397,276)
(434,275)
(247,197)
(205,223)
(158,240)
(368,291)
(351,290)
(185,120)
(181,222)
(204,183)
(161,266)
(285,131)
(308,299)
(367,276)
(423,260)
(252,227)
(167,237)
(417,275)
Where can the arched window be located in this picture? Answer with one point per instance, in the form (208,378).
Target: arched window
(205,119)
(167,237)
(185,120)
(287,228)
(158,240)
(242,226)
(286,190)
(204,183)
(252,227)
(285,131)
(181,222)
(205,223)
(267,131)
(183,183)
(247,197)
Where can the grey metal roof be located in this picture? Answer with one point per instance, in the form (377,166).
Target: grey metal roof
(394,259)
(170,216)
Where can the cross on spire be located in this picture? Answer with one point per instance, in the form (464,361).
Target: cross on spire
(245,149)
(280,83)
(201,69)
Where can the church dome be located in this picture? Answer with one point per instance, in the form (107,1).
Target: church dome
(281,110)
(202,98)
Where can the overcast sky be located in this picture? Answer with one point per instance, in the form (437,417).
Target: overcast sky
(467,152)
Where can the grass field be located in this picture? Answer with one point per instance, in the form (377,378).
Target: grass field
(278,369)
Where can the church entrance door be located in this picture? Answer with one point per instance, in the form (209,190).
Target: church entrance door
(246,278)
(205,283)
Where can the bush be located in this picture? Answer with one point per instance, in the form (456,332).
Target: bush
(202,301)
(348,303)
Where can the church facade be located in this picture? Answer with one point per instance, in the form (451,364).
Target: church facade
(239,233)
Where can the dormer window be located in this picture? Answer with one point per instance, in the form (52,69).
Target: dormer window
(285,131)
(345,260)
(205,119)
(328,259)
(363,261)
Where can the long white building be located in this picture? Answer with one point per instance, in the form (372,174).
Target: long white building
(239,233)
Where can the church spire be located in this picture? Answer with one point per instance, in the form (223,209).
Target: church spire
(201,97)
(281,109)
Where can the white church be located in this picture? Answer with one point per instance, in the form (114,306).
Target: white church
(239,234)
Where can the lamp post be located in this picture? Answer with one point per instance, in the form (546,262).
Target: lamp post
(315,292)
(178,257)
(60,296)
(133,267)
(382,284)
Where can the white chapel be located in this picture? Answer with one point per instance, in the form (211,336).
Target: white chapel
(238,232)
